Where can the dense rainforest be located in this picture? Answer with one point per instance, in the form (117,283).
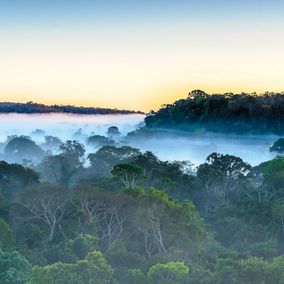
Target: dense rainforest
(119,215)
(31,107)
(233,113)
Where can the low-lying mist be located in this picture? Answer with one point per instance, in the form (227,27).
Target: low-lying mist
(253,149)
(65,126)
(195,147)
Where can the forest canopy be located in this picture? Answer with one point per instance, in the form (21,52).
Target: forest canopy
(129,217)
(94,209)
(237,113)
(31,107)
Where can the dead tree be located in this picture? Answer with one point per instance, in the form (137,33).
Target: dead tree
(45,203)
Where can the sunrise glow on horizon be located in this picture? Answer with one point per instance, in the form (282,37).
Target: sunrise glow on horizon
(138,54)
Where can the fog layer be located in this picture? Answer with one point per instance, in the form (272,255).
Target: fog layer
(193,147)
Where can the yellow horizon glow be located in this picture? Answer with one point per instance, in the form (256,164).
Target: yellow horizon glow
(138,69)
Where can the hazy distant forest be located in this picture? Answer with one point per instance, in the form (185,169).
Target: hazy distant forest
(31,107)
(122,216)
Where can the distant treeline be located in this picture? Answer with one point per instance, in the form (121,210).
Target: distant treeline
(31,107)
(238,113)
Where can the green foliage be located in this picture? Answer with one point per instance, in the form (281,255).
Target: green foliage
(92,270)
(230,166)
(57,169)
(14,178)
(273,175)
(225,113)
(137,192)
(129,174)
(275,271)
(6,236)
(201,275)
(73,151)
(226,271)
(100,141)
(107,157)
(72,250)
(168,176)
(146,218)
(121,258)
(220,180)
(136,276)
(161,195)
(171,273)
(14,268)
(44,203)
(278,146)
(22,147)
(247,271)
(84,244)
(252,270)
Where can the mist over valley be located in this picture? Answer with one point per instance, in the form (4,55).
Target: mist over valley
(167,145)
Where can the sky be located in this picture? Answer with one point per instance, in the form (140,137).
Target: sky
(138,54)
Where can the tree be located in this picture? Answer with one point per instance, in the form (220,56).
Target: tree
(275,270)
(58,169)
(278,214)
(6,236)
(229,165)
(129,174)
(223,113)
(51,143)
(14,178)
(171,273)
(278,146)
(257,191)
(201,275)
(248,271)
(151,221)
(92,270)
(169,176)
(108,156)
(73,151)
(155,220)
(136,276)
(220,176)
(22,147)
(226,271)
(113,132)
(107,211)
(38,132)
(14,268)
(209,194)
(45,203)
(147,161)
(99,141)
(252,270)
(273,177)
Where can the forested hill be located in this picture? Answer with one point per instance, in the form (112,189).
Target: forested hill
(30,107)
(238,113)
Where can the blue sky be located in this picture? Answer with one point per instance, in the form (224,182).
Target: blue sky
(138,54)
(39,13)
